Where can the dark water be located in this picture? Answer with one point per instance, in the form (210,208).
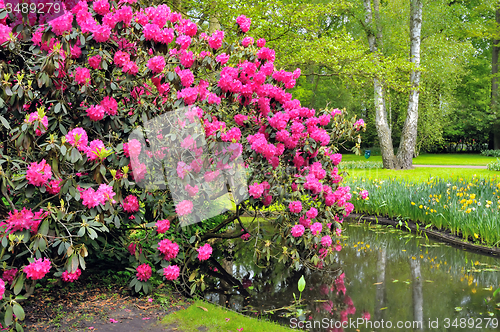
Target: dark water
(399,281)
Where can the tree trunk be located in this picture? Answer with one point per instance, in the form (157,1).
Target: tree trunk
(494,83)
(213,22)
(409,133)
(383,130)
(380,291)
(418,297)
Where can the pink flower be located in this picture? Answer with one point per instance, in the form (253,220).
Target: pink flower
(9,275)
(326,241)
(110,105)
(101,7)
(211,175)
(295,206)
(171,272)
(187,59)
(5,32)
(336,158)
(78,138)
(359,124)
(247,41)
(82,76)
(192,191)
(121,58)
(168,248)
(133,148)
(240,119)
(316,228)
(38,173)
(156,64)
(184,41)
(71,277)
(256,190)
(298,230)
(111,320)
(101,33)
(95,112)
(24,219)
(144,272)
(245,236)
(162,226)
(215,40)
(312,213)
(363,194)
(38,269)
(222,58)
(43,123)
(95,148)
(261,42)
(131,248)
(366,315)
(53,188)
(204,252)
(183,169)
(2,288)
(62,24)
(244,23)
(183,208)
(131,204)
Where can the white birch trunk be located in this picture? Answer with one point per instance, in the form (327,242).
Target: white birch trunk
(381,124)
(409,134)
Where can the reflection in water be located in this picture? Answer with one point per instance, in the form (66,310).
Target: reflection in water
(395,276)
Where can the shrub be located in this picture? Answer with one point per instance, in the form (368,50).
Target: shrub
(79,190)
(494,165)
(491,153)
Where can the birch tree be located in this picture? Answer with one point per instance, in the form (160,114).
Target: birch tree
(409,134)
(374,40)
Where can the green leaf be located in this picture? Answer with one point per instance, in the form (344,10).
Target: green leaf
(5,123)
(302,284)
(8,316)
(75,155)
(18,311)
(496,292)
(19,284)
(44,228)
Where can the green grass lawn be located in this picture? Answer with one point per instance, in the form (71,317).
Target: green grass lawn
(435,159)
(203,316)
(423,173)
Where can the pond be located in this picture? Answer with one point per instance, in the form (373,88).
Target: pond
(384,279)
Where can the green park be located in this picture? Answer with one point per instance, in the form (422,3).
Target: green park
(243,165)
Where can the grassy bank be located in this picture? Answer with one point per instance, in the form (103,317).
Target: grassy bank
(434,159)
(203,316)
(423,174)
(468,206)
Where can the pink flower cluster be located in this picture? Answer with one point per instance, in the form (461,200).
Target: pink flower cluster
(9,275)
(71,277)
(82,76)
(38,269)
(298,230)
(78,138)
(144,272)
(244,23)
(92,198)
(185,207)
(38,173)
(43,123)
(204,252)
(168,248)
(130,204)
(24,219)
(295,206)
(162,226)
(2,288)
(363,194)
(171,272)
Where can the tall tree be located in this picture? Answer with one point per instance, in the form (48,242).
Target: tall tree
(409,135)
(494,79)
(372,19)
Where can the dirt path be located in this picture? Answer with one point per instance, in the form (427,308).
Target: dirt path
(98,309)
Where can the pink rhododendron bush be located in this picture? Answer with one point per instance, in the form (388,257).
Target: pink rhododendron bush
(121,129)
